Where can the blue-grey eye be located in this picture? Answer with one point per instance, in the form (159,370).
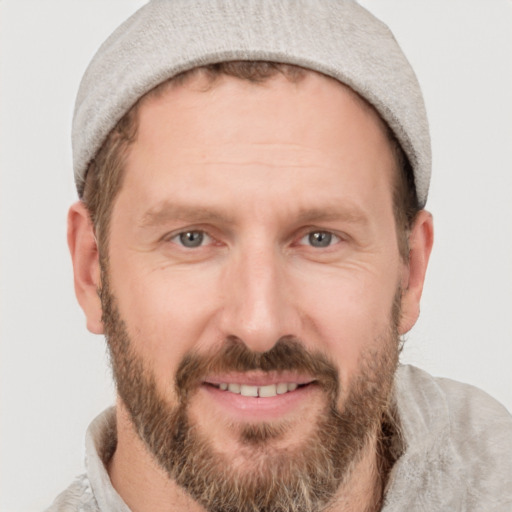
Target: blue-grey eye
(191,239)
(320,239)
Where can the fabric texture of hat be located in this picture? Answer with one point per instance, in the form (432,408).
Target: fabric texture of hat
(336,37)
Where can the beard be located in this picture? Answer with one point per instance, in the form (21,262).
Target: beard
(265,478)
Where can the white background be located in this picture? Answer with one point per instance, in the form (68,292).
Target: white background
(54,375)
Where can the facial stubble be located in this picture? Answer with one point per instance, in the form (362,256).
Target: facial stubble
(302,479)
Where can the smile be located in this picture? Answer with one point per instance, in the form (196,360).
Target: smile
(260,397)
(267,391)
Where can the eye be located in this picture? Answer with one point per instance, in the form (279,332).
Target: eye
(191,239)
(320,239)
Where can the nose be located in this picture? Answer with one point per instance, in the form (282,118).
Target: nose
(257,305)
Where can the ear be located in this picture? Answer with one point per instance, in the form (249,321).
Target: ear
(421,239)
(86,266)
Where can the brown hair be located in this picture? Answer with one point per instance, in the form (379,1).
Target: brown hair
(105,173)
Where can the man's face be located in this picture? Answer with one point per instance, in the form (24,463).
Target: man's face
(255,219)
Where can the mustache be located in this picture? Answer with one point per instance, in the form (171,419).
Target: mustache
(288,354)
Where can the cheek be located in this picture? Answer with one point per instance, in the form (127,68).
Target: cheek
(167,312)
(346,313)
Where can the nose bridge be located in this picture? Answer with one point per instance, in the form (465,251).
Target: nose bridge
(256,308)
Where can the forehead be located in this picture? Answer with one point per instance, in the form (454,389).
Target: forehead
(201,132)
(252,74)
(295,100)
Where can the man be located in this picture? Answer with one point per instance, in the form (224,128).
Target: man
(251,239)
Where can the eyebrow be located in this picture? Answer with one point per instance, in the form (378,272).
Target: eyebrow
(169,211)
(351,214)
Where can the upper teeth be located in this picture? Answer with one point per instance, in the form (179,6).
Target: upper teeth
(261,391)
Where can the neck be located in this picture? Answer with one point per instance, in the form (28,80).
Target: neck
(142,484)
(363,488)
(145,487)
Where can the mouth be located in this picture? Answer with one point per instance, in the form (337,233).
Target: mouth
(246,397)
(266,391)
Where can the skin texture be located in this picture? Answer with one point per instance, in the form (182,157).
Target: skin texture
(257,168)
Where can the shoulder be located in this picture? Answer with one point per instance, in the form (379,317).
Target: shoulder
(78,497)
(466,411)
(474,412)
(481,434)
(465,433)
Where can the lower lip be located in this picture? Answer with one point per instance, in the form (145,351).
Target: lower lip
(247,408)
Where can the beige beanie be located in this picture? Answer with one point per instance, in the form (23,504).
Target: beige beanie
(336,37)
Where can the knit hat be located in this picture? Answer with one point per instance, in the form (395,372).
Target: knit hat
(336,37)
